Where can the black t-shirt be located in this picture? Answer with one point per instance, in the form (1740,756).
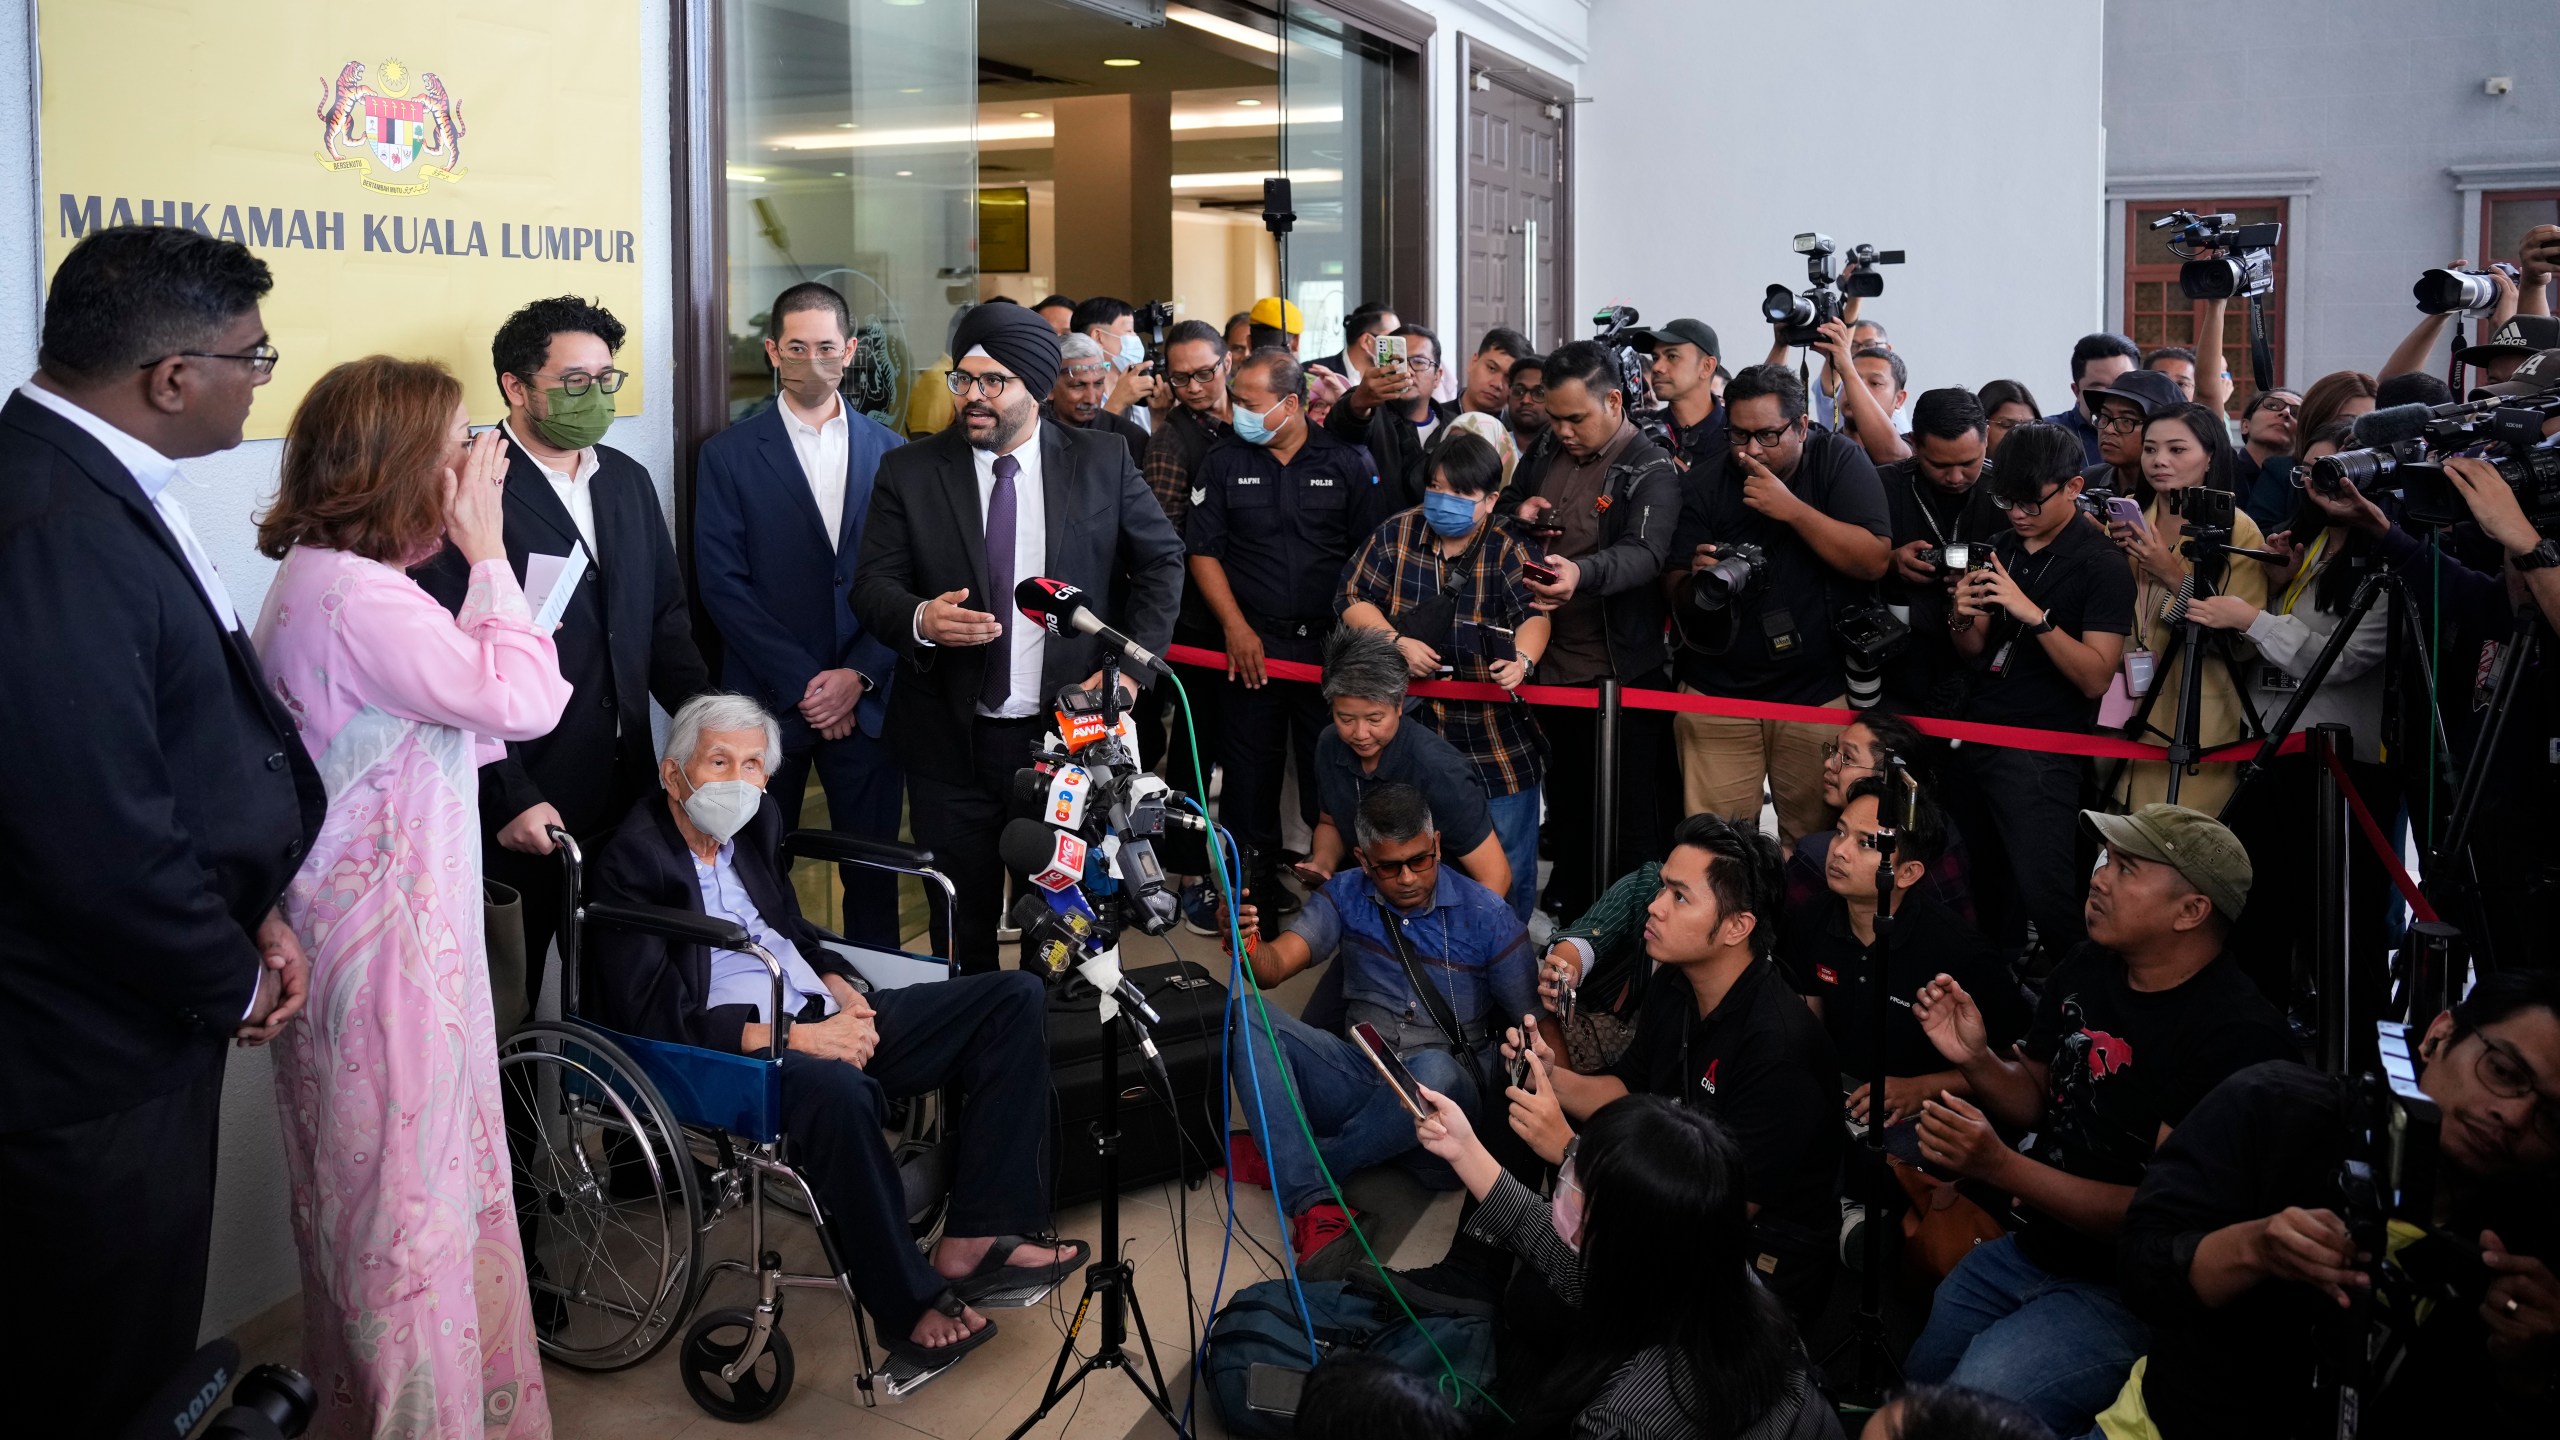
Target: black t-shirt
(1418,757)
(1919,510)
(2082,580)
(1777,644)
(2270,1137)
(2120,1064)
(1762,1065)
(1829,963)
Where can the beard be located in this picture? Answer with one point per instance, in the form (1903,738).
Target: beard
(1009,421)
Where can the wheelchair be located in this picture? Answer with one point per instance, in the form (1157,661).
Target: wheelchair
(629,1151)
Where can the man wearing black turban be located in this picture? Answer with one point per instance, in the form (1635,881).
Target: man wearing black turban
(957,520)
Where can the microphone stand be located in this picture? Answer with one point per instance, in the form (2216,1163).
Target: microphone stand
(1878,1371)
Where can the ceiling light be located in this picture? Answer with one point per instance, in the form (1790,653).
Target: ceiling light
(1248,100)
(903,4)
(1121,64)
(912,90)
(1224,29)
(847,125)
(838,174)
(905,174)
(996,132)
(1030,114)
(1249,179)
(747,176)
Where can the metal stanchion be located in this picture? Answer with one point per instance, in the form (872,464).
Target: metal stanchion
(2329,889)
(1604,786)
(2433,970)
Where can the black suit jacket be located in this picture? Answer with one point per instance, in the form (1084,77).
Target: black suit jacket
(158,800)
(642,985)
(925,536)
(625,637)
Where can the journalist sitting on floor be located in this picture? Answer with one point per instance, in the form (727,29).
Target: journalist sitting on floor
(1401,922)
(711,845)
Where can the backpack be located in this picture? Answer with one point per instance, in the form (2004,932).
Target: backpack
(1260,1327)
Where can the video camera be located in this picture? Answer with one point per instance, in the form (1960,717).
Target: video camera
(1152,320)
(1635,373)
(2246,266)
(2405,447)
(1799,318)
(2469,292)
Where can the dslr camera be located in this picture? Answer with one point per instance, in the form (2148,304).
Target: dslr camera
(1635,373)
(2405,448)
(1799,317)
(2246,266)
(1152,320)
(1956,557)
(1737,573)
(2465,292)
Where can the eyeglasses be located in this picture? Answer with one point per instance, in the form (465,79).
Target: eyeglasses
(1186,379)
(1764,439)
(1836,753)
(2119,424)
(578,382)
(2276,407)
(2503,1072)
(2028,508)
(1528,392)
(803,353)
(989,384)
(262,359)
(1387,869)
(1420,364)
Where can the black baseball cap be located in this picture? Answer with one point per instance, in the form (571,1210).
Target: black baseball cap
(2521,335)
(1678,332)
(2153,390)
(2539,372)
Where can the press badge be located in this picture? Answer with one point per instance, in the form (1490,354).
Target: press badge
(2275,681)
(2139,666)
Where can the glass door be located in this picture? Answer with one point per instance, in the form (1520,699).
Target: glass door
(1351,127)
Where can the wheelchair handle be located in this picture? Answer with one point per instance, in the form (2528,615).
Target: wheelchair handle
(572,863)
(876,854)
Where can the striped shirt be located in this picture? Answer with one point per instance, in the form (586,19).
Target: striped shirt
(1399,568)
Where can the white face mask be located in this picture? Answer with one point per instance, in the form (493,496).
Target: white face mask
(722,808)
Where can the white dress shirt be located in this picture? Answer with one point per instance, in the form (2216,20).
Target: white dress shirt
(822,450)
(738,978)
(152,471)
(1028,641)
(575,487)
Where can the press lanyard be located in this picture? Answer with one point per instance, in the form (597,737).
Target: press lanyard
(2313,560)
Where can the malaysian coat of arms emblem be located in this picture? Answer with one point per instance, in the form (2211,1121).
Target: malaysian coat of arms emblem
(395,141)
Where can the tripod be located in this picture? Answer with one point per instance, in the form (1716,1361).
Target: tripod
(2206,549)
(1110,1278)
(1878,1371)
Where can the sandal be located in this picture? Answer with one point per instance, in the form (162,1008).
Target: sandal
(930,1358)
(994,1277)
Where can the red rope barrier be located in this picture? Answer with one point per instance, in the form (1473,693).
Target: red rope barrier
(2381,842)
(1576,697)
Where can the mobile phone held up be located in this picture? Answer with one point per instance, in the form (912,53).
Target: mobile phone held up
(2125,510)
(1391,1068)
(1390,352)
(1543,574)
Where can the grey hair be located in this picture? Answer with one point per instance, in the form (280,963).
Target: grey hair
(1364,665)
(719,710)
(1078,346)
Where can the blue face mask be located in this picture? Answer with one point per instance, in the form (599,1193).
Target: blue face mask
(1133,352)
(1255,429)
(1447,514)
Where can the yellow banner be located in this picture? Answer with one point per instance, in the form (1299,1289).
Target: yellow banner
(411,173)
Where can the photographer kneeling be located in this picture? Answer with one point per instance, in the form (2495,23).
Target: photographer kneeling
(2235,1251)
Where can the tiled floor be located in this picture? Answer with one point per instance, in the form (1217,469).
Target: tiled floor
(995,1387)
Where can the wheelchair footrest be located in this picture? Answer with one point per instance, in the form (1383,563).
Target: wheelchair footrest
(900,1378)
(1021,1299)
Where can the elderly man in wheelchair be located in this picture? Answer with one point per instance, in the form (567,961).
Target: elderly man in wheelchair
(709,844)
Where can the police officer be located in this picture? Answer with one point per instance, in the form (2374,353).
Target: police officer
(1280,505)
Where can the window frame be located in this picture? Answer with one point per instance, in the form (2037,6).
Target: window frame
(2279,310)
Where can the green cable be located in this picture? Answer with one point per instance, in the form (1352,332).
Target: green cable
(1453,1385)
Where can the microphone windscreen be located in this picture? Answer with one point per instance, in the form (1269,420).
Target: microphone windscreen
(1050,857)
(2391,426)
(185,1398)
(1047,600)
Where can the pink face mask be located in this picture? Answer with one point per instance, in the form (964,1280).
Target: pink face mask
(1566,1212)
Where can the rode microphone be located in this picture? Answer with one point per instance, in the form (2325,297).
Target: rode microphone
(1053,859)
(1062,607)
(185,1398)
(2392,426)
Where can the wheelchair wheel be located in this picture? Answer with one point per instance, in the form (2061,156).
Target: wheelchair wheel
(606,1197)
(712,1344)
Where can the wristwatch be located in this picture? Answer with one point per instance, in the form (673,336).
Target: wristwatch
(2042,626)
(2540,557)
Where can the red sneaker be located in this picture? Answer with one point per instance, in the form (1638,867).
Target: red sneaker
(1315,1236)
(1245,1162)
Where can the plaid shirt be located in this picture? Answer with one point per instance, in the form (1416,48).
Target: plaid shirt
(1168,470)
(1400,567)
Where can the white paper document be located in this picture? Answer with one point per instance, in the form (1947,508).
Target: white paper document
(549,581)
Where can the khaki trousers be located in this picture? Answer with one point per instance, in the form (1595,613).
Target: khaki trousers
(1723,762)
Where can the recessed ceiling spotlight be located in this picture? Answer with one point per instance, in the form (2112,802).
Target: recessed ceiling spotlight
(1030,114)
(1248,100)
(1121,64)
(904,174)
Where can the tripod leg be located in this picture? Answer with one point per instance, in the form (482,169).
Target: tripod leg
(1146,1346)
(1056,1392)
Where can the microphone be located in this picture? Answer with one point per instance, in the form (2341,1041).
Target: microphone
(1062,607)
(2391,426)
(1061,933)
(185,1398)
(1053,859)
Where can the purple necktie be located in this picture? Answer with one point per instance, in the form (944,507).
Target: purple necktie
(997,686)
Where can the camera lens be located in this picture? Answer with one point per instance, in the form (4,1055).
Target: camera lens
(1782,306)
(2211,279)
(2442,292)
(2362,467)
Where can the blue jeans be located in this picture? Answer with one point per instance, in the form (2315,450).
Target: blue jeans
(1357,1120)
(2062,1348)
(1515,824)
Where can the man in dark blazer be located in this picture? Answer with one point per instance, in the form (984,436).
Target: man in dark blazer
(957,520)
(156,805)
(625,635)
(777,521)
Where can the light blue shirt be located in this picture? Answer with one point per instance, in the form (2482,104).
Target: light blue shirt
(738,978)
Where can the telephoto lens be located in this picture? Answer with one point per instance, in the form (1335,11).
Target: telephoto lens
(2443,292)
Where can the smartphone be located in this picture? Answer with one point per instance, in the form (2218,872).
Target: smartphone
(1519,1066)
(1902,1142)
(1390,352)
(1308,875)
(1273,1389)
(1399,1079)
(1538,572)
(2126,509)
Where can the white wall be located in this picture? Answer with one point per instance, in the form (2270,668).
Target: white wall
(253,1261)
(1966,133)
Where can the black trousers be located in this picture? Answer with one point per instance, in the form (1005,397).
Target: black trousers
(1259,731)
(107,1223)
(986,1034)
(538,877)
(860,779)
(2272,937)
(1649,793)
(2019,811)
(961,825)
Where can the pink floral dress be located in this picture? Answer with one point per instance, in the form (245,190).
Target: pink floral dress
(416,1316)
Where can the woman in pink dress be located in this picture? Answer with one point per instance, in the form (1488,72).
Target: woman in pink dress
(416,1318)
